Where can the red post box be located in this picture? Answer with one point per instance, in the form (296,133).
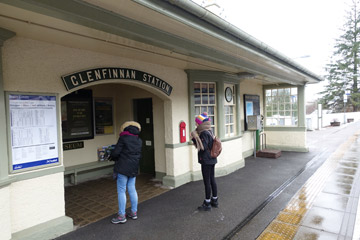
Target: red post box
(182,132)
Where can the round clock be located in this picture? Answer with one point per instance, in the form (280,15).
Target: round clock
(228,94)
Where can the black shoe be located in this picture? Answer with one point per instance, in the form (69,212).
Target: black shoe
(214,202)
(206,206)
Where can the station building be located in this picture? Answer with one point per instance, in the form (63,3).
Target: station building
(73,71)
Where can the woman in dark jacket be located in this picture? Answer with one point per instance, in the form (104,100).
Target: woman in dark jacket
(126,155)
(203,140)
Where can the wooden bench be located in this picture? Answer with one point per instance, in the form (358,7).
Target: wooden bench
(74,170)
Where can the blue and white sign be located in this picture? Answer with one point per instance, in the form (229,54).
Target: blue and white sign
(33,130)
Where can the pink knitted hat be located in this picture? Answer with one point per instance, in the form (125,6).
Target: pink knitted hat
(202,118)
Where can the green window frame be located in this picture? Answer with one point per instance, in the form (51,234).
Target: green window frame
(281,106)
(205,100)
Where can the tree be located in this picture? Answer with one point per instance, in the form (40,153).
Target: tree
(343,69)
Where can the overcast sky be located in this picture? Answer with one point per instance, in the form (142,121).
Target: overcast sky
(295,28)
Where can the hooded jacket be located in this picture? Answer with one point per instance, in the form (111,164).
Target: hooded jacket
(127,152)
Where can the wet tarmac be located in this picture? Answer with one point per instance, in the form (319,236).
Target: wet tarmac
(310,195)
(326,206)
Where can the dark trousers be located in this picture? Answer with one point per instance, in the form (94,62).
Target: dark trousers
(208,173)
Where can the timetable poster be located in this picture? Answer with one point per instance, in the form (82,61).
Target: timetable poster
(33,129)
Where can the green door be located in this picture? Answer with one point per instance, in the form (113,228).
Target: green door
(144,116)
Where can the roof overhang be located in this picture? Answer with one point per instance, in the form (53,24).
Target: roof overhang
(174,33)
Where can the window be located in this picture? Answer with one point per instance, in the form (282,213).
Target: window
(281,107)
(204,99)
(229,110)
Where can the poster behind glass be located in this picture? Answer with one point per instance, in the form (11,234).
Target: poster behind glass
(104,116)
(33,129)
(251,106)
(77,116)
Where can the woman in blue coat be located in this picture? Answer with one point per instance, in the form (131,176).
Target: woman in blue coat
(126,155)
(203,139)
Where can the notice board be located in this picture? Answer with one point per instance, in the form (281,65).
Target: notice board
(251,106)
(33,131)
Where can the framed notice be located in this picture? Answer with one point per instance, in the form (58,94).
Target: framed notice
(251,106)
(77,116)
(103,116)
(33,131)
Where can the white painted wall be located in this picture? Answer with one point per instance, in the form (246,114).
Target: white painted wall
(286,139)
(5,214)
(232,152)
(36,201)
(182,160)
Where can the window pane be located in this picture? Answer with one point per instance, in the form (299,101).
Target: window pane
(287,106)
(205,99)
(281,92)
(287,113)
(212,119)
(231,109)
(211,99)
(211,88)
(204,88)
(226,109)
(196,87)
(268,92)
(227,119)
(268,100)
(294,106)
(203,109)
(197,111)
(268,114)
(232,118)
(274,92)
(197,99)
(211,110)
(231,128)
(282,122)
(293,91)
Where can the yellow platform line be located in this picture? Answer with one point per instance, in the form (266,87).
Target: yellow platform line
(288,221)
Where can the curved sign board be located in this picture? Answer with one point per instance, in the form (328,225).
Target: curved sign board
(98,74)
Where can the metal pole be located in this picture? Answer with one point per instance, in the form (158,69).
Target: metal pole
(255,144)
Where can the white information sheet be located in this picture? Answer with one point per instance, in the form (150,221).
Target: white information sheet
(33,128)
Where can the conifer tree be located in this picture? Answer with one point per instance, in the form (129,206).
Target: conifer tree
(343,69)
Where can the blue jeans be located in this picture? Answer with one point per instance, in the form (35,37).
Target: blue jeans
(129,182)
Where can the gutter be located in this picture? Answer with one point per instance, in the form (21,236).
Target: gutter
(209,17)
